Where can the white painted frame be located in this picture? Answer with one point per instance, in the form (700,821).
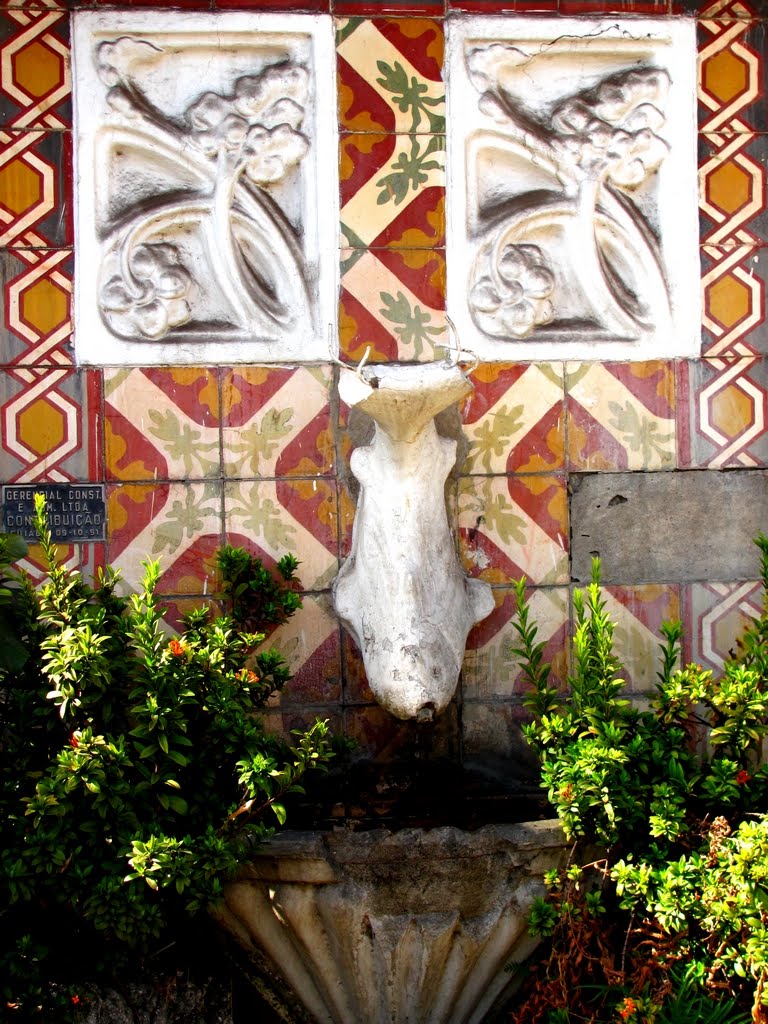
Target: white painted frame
(208,52)
(561,59)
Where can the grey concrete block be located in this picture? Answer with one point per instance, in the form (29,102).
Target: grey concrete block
(668,527)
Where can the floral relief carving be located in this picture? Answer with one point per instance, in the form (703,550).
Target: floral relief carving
(567,161)
(206,212)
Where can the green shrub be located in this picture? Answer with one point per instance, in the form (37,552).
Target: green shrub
(135,774)
(672,803)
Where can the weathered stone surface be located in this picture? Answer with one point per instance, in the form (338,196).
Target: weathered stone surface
(659,527)
(392,928)
(163,1000)
(402,593)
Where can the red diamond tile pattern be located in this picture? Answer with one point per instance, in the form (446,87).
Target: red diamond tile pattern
(392,173)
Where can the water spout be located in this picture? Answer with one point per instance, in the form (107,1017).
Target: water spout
(402,593)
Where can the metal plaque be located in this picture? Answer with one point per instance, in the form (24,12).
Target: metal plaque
(76,512)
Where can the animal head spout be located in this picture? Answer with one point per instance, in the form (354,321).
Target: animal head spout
(402,593)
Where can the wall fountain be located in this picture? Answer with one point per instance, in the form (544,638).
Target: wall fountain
(224,249)
(416,925)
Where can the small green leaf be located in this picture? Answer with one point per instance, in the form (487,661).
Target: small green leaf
(280,813)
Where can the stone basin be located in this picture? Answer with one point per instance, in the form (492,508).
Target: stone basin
(408,927)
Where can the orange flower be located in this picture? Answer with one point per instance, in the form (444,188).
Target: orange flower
(177,649)
(74,740)
(75,1000)
(628,1007)
(246,676)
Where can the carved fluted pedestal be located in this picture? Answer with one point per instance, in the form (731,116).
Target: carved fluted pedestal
(413,927)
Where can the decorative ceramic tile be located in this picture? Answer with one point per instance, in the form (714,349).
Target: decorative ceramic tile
(722,417)
(492,734)
(87,559)
(175,609)
(49,420)
(491,669)
(638,613)
(732,189)
(347,511)
(722,10)
(620,415)
(282,722)
(731,50)
(568,7)
(393,301)
(733,286)
(381,737)
(715,616)
(310,6)
(514,526)
(309,642)
(14,5)
(37,289)
(185,4)
(515,419)
(33,187)
(196,572)
(504,6)
(356,687)
(390,75)
(571,233)
(276,422)
(393,190)
(178,524)
(275,517)
(34,69)
(206,163)
(161,424)
(380,8)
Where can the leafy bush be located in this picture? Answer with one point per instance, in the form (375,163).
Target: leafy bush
(671,803)
(135,775)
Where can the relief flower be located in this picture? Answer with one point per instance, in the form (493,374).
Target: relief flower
(257,125)
(269,154)
(114,59)
(152,298)
(514,300)
(611,132)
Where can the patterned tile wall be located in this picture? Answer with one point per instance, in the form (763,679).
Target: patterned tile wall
(256,455)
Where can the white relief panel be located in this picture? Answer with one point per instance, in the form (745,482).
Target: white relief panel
(206,171)
(572,213)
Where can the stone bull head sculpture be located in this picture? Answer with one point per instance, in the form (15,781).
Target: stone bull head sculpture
(401,592)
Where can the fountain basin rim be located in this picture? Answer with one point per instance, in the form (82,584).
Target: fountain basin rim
(312,855)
